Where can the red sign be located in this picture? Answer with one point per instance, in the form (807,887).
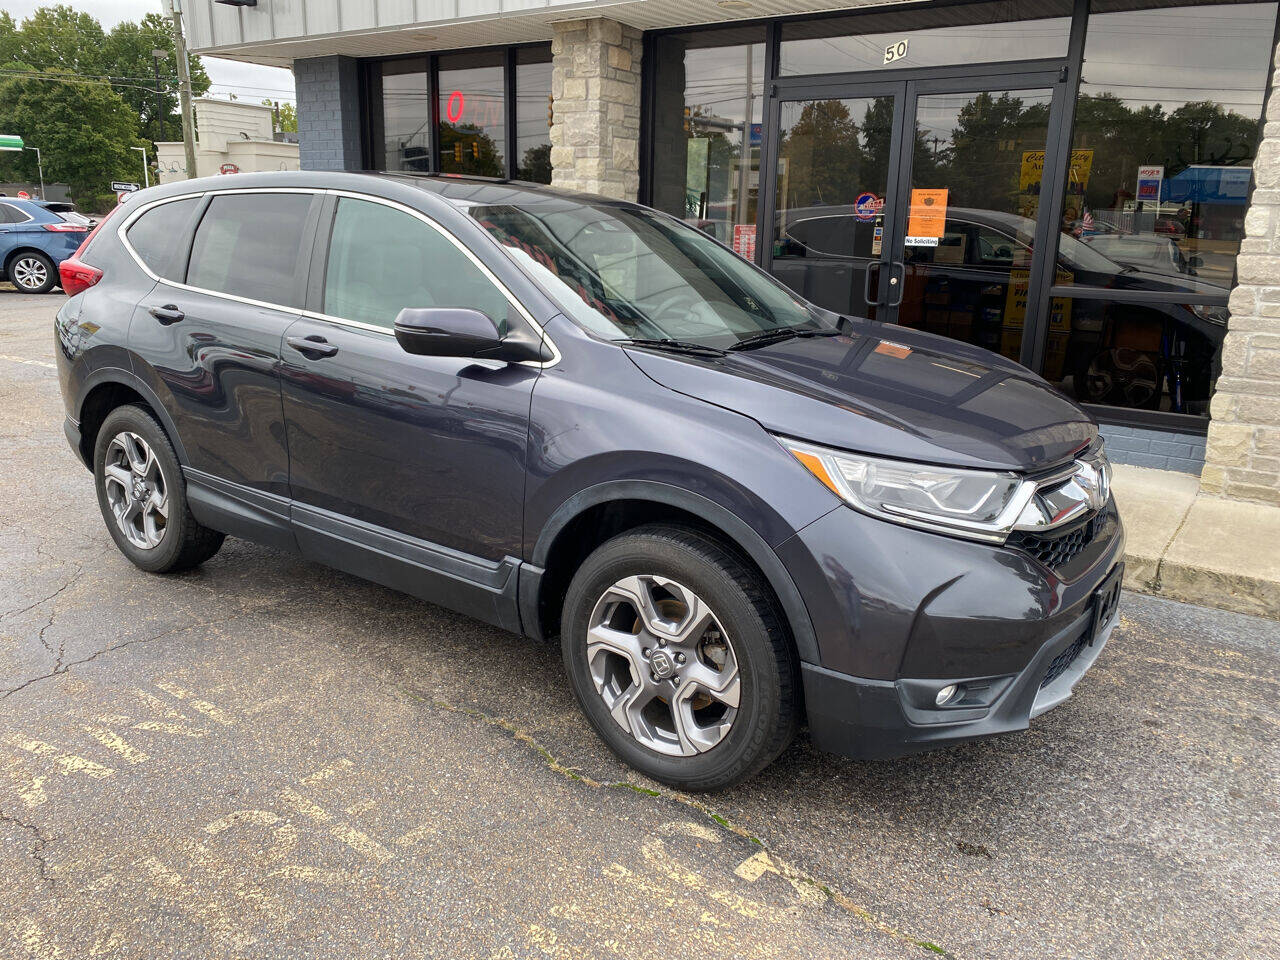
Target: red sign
(744,240)
(23,195)
(228,168)
(457,103)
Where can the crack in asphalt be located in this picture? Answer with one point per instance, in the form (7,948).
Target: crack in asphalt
(61,668)
(21,610)
(785,869)
(40,841)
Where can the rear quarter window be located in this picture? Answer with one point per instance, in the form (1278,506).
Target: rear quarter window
(250,245)
(155,236)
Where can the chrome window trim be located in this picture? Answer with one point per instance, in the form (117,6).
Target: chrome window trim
(122,233)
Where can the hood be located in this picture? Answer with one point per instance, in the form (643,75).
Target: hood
(889,391)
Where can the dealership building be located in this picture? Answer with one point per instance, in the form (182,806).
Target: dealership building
(1091,187)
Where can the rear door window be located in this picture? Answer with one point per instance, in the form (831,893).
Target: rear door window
(382,260)
(250,245)
(156,236)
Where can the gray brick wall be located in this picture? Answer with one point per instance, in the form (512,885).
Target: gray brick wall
(328,113)
(1140,447)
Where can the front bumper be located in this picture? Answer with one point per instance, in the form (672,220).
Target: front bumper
(876,719)
(900,614)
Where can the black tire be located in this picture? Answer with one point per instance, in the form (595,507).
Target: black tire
(185,542)
(767,714)
(14,267)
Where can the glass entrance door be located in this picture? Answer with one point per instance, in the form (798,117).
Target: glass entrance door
(967,217)
(917,202)
(836,179)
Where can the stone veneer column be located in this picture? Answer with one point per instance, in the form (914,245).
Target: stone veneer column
(1242,459)
(328,113)
(595,87)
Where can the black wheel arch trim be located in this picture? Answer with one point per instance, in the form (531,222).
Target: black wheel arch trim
(127,378)
(731,525)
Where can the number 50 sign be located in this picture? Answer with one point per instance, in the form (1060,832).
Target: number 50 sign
(895,51)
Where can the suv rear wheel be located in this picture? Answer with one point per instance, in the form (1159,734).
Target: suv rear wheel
(143,498)
(32,272)
(676,652)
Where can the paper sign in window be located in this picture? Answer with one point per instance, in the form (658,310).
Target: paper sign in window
(926,217)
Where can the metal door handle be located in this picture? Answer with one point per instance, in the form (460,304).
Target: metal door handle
(314,346)
(167,314)
(901,284)
(866,285)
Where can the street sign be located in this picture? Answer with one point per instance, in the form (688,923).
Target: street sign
(23,195)
(10,142)
(120,186)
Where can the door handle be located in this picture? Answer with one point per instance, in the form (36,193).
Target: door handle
(899,281)
(313,347)
(167,314)
(866,284)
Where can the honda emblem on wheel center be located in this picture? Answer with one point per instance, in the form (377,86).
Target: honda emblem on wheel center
(663,664)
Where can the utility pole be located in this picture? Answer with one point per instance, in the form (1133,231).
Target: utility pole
(156,56)
(184,86)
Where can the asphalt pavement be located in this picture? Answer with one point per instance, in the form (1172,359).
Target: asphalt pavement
(264,758)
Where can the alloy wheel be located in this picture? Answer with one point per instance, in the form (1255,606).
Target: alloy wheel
(136,490)
(30,273)
(663,664)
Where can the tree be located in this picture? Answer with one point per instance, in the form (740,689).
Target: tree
(128,55)
(85,132)
(286,116)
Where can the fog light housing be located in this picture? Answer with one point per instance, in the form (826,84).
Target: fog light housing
(948,693)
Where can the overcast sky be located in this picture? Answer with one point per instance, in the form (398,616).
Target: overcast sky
(246,80)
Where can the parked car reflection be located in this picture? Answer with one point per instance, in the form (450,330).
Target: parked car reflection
(973,286)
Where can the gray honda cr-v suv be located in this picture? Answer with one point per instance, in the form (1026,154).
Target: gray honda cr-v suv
(582,419)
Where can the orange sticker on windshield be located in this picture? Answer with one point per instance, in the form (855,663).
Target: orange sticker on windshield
(926,217)
(891,349)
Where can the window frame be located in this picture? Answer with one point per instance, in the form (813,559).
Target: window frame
(206,197)
(509,54)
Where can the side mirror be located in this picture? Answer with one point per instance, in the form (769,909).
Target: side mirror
(461,332)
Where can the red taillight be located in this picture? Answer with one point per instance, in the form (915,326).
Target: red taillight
(66,228)
(77,277)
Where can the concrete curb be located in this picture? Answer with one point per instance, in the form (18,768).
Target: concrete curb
(1181,545)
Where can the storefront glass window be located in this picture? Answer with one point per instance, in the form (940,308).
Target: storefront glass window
(1157,188)
(402,129)
(708,104)
(533,114)
(472,114)
(906,39)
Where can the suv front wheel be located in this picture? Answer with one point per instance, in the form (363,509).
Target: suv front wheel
(676,652)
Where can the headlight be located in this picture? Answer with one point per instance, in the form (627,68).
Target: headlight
(979,504)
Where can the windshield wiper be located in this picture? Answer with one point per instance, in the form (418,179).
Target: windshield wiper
(776,336)
(675,346)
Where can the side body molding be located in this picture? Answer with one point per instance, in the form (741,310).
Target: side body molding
(651,490)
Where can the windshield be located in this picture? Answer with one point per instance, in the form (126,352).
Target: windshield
(626,273)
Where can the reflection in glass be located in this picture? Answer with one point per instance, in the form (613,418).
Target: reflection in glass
(472,119)
(1160,165)
(906,39)
(708,103)
(533,121)
(405,120)
(833,168)
(969,277)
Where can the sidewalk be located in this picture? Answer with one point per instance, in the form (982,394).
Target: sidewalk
(1220,553)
